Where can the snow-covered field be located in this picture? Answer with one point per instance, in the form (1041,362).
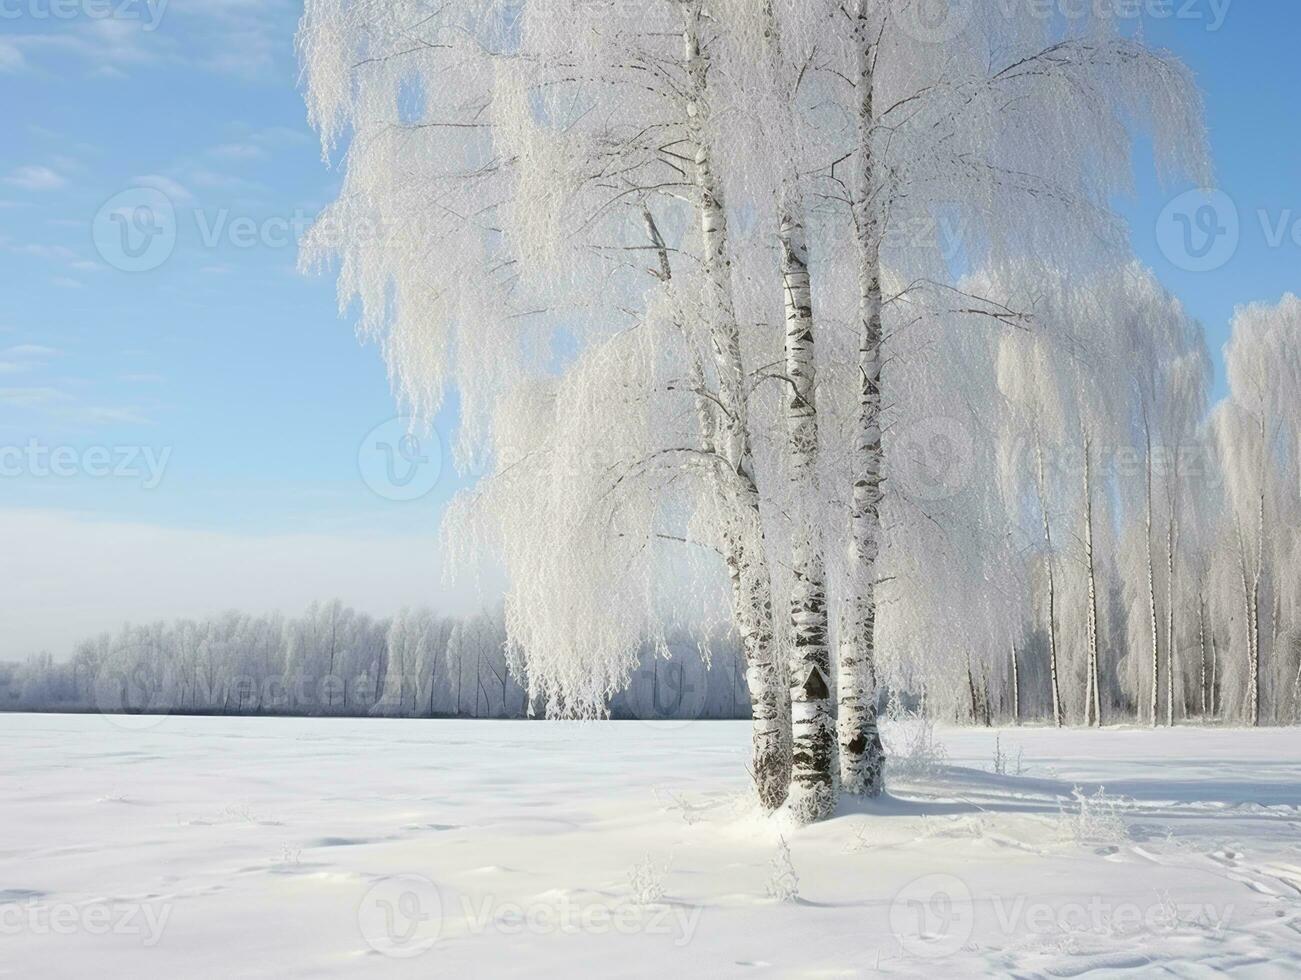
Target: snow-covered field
(206,847)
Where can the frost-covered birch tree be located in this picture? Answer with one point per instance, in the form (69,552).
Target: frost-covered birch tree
(717,284)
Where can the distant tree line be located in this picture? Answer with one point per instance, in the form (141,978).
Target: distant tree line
(336,661)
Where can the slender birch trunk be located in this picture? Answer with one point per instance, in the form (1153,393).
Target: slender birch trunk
(1279,670)
(1016,686)
(813,759)
(1170,652)
(971,693)
(813,720)
(1201,648)
(1249,626)
(1151,583)
(1212,697)
(862,757)
(1052,591)
(1093,700)
(743,543)
(1255,584)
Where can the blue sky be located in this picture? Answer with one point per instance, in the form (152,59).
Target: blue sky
(241,371)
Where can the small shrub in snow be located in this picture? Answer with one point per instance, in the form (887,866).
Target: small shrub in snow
(911,748)
(1004,764)
(1000,760)
(783,882)
(646,881)
(859,842)
(1095,819)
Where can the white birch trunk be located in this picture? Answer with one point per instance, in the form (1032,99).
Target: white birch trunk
(862,757)
(1052,591)
(1016,686)
(813,758)
(1093,700)
(743,543)
(1201,647)
(1255,585)
(1211,697)
(1254,618)
(1248,607)
(1151,584)
(1170,655)
(813,720)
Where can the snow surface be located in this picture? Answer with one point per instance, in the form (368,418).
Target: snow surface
(220,847)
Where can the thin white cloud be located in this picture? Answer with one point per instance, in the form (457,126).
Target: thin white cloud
(177,192)
(238,151)
(36,178)
(33,397)
(11,59)
(233,37)
(225,182)
(107,415)
(30,350)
